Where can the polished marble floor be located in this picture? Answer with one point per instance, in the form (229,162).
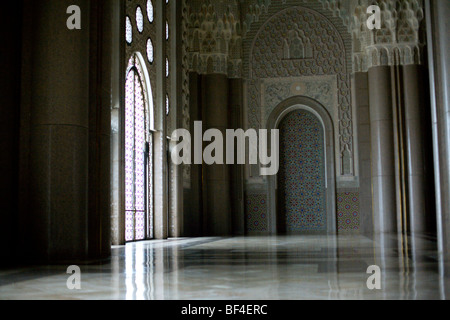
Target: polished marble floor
(252,268)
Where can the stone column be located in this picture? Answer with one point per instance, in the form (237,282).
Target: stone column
(216,178)
(57,215)
(382,145)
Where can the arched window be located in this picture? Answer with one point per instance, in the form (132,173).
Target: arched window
(138,152)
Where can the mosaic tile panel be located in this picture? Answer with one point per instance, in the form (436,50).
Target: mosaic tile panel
(256,211)
(302,173)
(348,217)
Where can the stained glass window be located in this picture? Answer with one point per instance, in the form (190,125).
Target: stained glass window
(167,30)
(167,105)
(138,154)
(139,19)
(150,11)
(150,54)
(167,67)
(128,30)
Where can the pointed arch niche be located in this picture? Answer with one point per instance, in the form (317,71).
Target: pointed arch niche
(283,110)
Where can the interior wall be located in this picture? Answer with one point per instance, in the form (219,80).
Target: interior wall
(274,70)
(273,77)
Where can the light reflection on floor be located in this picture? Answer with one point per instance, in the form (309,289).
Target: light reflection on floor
(253,268)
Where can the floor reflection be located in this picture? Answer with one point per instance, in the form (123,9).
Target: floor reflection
(253,268)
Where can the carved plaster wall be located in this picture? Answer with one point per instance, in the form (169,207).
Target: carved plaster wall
(218,37)
(322,73)
(311,48)
(216,29)
(214,38)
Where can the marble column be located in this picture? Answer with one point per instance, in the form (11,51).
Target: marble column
(414,148)
(439,61)
(382,145)
(57,215)
(237,171)
(176,120)
(216,177)
(117,158)
(364,150)
(193,203)
(175,210)
(161,211)
(102,43)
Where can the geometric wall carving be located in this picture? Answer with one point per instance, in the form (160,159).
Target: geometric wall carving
(323,89)
(214,37)
(399,41)
(327,56)
(216,30)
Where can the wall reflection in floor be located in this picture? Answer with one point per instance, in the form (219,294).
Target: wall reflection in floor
(253,268)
